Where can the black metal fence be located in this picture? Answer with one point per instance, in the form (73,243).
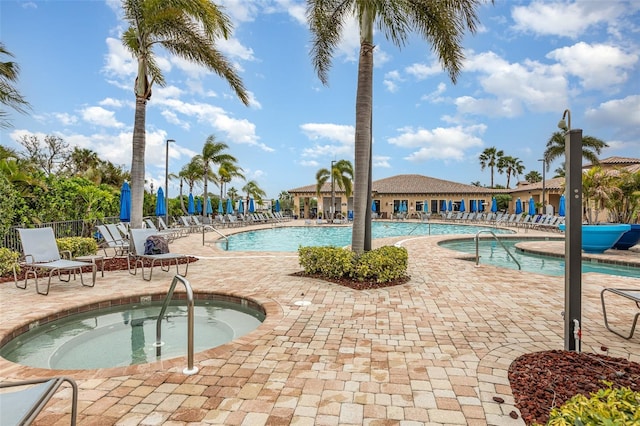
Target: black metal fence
(67,228)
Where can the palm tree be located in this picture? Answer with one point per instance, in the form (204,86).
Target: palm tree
(9,95)
(490,158)
(342,172)
(591,148)
(512,166)
(253,190)
(597,190)
(187,29)
(212,153)
(226,172)
(533,176)
(443,24)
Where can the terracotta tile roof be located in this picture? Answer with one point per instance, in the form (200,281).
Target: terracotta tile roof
(620,161)
(410,184)
(549,184)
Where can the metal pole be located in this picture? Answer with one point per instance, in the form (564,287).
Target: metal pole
(166,184)
(573,240)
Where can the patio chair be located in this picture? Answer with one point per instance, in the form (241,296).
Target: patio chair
(629,293)
(178,230)
(137,256)
(169,235)
(41,253)
(115,242)
(22,406)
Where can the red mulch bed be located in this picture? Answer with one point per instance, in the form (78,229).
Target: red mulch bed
(356,285)
(110,264)
(543,380)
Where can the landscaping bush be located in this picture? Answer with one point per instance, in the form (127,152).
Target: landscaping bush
(608,406)
(78,246)
(381,265)
(8,258)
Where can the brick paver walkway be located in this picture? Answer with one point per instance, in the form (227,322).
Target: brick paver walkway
(434,351)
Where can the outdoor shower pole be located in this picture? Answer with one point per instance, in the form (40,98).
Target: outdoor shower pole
(166,184)
(573,236)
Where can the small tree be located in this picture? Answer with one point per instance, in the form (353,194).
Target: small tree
(624,206)
(597,189)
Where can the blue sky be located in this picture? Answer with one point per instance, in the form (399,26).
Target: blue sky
(529,61)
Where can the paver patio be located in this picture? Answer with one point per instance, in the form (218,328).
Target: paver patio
(434,351)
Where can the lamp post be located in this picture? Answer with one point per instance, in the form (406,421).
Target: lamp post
(166,183)
(573,235)
(333,196)
(544,167)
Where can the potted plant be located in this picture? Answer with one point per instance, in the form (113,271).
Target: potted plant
(624,207)
(598,188)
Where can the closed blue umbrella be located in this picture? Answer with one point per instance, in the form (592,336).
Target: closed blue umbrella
(373,206)
(473,206)
(450,206)
(561,206)
(252,207)
(444,206)
(220,208)
(518,206)
(229,206)
(199,206)
(240,206)
(532,206)
(125,203)
(462,207)
(425,206)
(278,206)
(160,207)
(191,207)
(494,205)
(209,208)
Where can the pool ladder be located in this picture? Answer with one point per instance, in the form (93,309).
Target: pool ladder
(486,231)
(190,370)
(211,228)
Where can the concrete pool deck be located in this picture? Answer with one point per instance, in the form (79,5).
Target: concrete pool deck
(434,351)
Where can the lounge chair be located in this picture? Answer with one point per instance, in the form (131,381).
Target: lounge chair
(631,294)
(22,406)
(137,256)
(115,242)
(177,230)
(169,235)
(41,253)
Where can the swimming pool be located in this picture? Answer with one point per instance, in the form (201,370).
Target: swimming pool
(491,252)
(125,335)
(289,238)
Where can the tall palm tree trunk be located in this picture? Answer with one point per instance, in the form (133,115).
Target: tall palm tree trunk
(137,163)
(364,107)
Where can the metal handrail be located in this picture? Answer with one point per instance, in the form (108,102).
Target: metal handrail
(486,231)
(190,370)
(205,227)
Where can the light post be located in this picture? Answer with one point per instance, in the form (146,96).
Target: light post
(544,167)
(573,235)
(333,195)
(166,183)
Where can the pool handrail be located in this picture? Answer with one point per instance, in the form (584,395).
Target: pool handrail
(211,228)
(487,231)
(190,370)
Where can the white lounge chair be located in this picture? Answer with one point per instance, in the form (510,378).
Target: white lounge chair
(137,256)
(115,242)
(41,253)
(22,406)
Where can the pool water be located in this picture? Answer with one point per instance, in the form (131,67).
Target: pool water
(289,238)
(492,253)
(125,335)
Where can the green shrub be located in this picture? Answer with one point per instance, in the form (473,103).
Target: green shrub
(78,246)
(8,258)
(608,406)
(330,262)
(380,265)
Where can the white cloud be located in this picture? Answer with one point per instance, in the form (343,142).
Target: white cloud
(65,118)
(100,117)
(423,71)
(118,61)
(344,134)
(110,102)
(440,143)
(565,19)
(381,161)
(599,66)
(622,114)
